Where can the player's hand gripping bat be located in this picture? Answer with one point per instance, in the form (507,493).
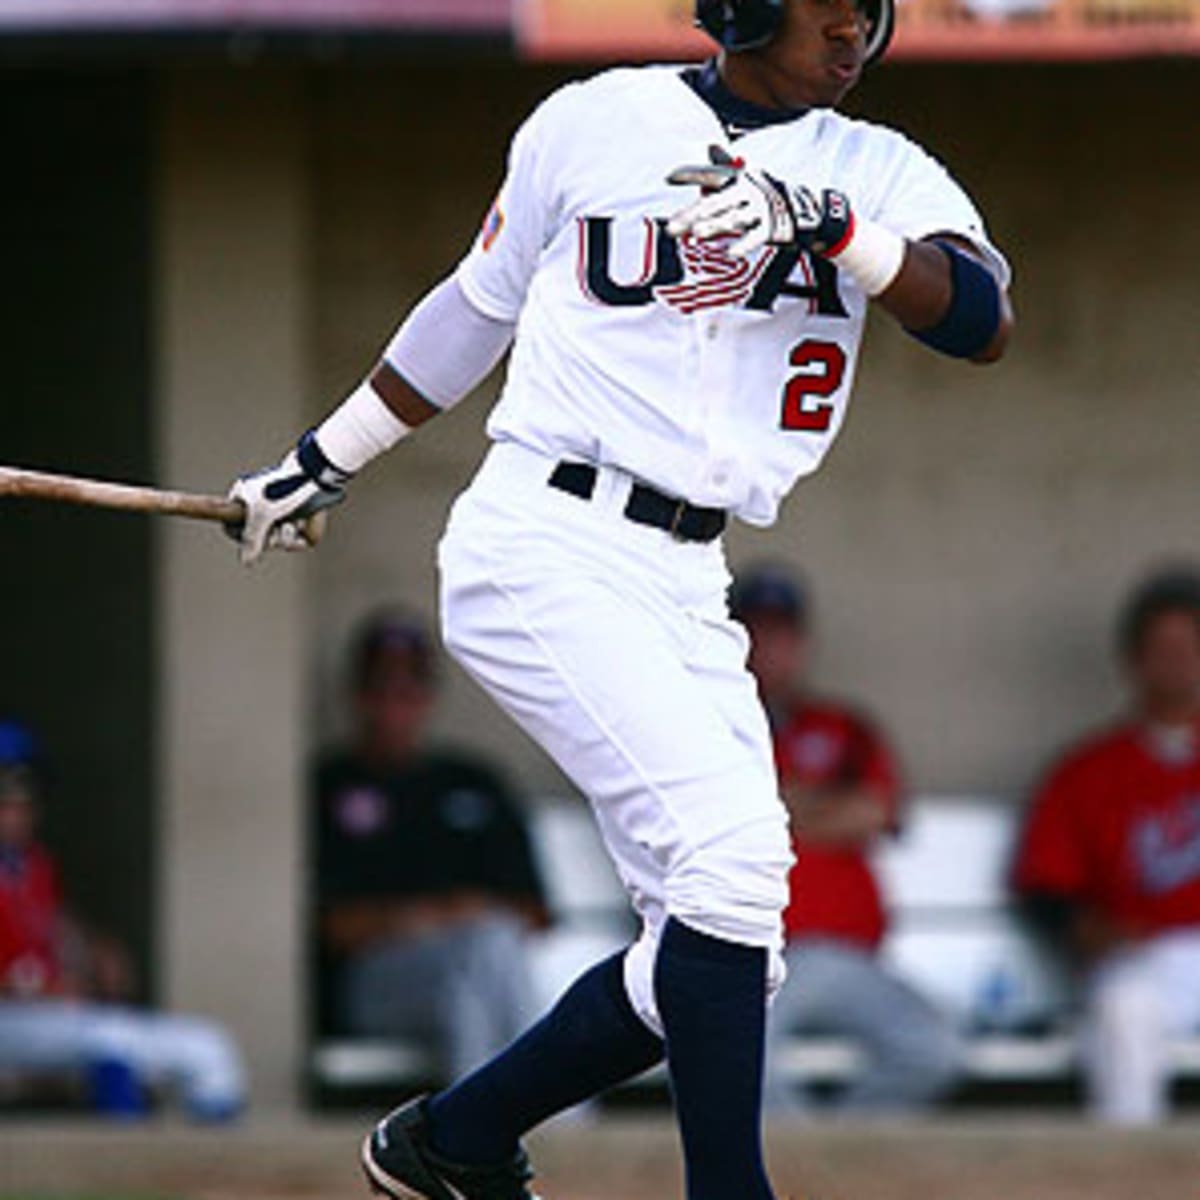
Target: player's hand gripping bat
(70,489)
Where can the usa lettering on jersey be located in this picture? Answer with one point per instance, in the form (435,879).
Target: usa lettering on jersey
(691,276)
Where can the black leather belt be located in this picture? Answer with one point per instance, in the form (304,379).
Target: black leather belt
(646,505)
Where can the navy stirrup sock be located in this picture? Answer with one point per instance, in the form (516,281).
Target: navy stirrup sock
(712,998)
(589,1041)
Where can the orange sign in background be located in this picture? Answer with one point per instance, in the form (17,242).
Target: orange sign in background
(609,29)
(932,29)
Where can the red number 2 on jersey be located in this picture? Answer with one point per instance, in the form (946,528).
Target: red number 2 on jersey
(822,368)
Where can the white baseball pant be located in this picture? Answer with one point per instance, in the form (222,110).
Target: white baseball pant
(192,1054)
(1137,1001)
(610,643)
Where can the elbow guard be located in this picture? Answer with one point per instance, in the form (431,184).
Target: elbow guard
(447,346)
(973,315)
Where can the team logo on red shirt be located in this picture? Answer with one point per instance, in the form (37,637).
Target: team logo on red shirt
(1166,847)
(815,752)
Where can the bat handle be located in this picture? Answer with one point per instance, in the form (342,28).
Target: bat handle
(19,482)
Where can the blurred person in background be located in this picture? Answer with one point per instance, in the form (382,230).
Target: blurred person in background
(840,783)
(64,990)
(427,886)
(1109,865)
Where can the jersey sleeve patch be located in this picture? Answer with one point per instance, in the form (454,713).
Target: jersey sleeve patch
(493,226)
(498,269)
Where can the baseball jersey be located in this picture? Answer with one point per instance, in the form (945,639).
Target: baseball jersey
(441,824)
(833,890)
(30,915)
(1117,825)
(717,380)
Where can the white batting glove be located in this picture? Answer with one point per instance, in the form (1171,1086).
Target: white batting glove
(757,209)
(760,210)
(279,500)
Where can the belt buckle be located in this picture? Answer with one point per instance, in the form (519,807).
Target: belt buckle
(681,508)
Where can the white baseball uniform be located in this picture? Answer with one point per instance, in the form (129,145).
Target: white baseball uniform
(1139,1000)
(193,1054)
(713,380)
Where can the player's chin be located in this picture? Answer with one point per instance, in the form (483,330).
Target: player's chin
(835,80)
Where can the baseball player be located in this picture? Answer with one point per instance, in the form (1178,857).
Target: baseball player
(681,259)
(1109,864)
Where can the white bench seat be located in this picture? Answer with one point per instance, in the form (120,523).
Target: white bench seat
(955,935)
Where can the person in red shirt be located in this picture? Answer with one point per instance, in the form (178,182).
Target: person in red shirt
(839,780)
(60,1014)
(30,900)
(1109,863)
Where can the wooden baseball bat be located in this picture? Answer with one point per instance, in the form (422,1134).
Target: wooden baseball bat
(98,493)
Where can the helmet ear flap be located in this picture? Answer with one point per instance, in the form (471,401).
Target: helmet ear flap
(883,25)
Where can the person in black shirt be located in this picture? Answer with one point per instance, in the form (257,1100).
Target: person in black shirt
(426,880)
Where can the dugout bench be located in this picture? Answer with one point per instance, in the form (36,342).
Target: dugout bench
(954,934)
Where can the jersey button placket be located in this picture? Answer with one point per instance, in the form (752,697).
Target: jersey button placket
(696,399)
(707,332)
(717,355)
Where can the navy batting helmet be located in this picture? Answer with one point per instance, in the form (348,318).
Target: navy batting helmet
(745,24)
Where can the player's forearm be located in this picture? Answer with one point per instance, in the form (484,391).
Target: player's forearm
(351,925)
(922,295)
(1074,927)
(938,288)
(441,352)
(836,817)
(404,401)
(533,913)
(444,348)
(1094,935)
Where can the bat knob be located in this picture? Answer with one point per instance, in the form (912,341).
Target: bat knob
(314,527)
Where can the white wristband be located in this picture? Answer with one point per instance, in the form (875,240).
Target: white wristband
(361,428)
(873,256)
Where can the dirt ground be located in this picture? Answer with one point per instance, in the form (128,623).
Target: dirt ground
(964,1159)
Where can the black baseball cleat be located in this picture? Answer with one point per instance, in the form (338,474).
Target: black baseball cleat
(398,1162)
